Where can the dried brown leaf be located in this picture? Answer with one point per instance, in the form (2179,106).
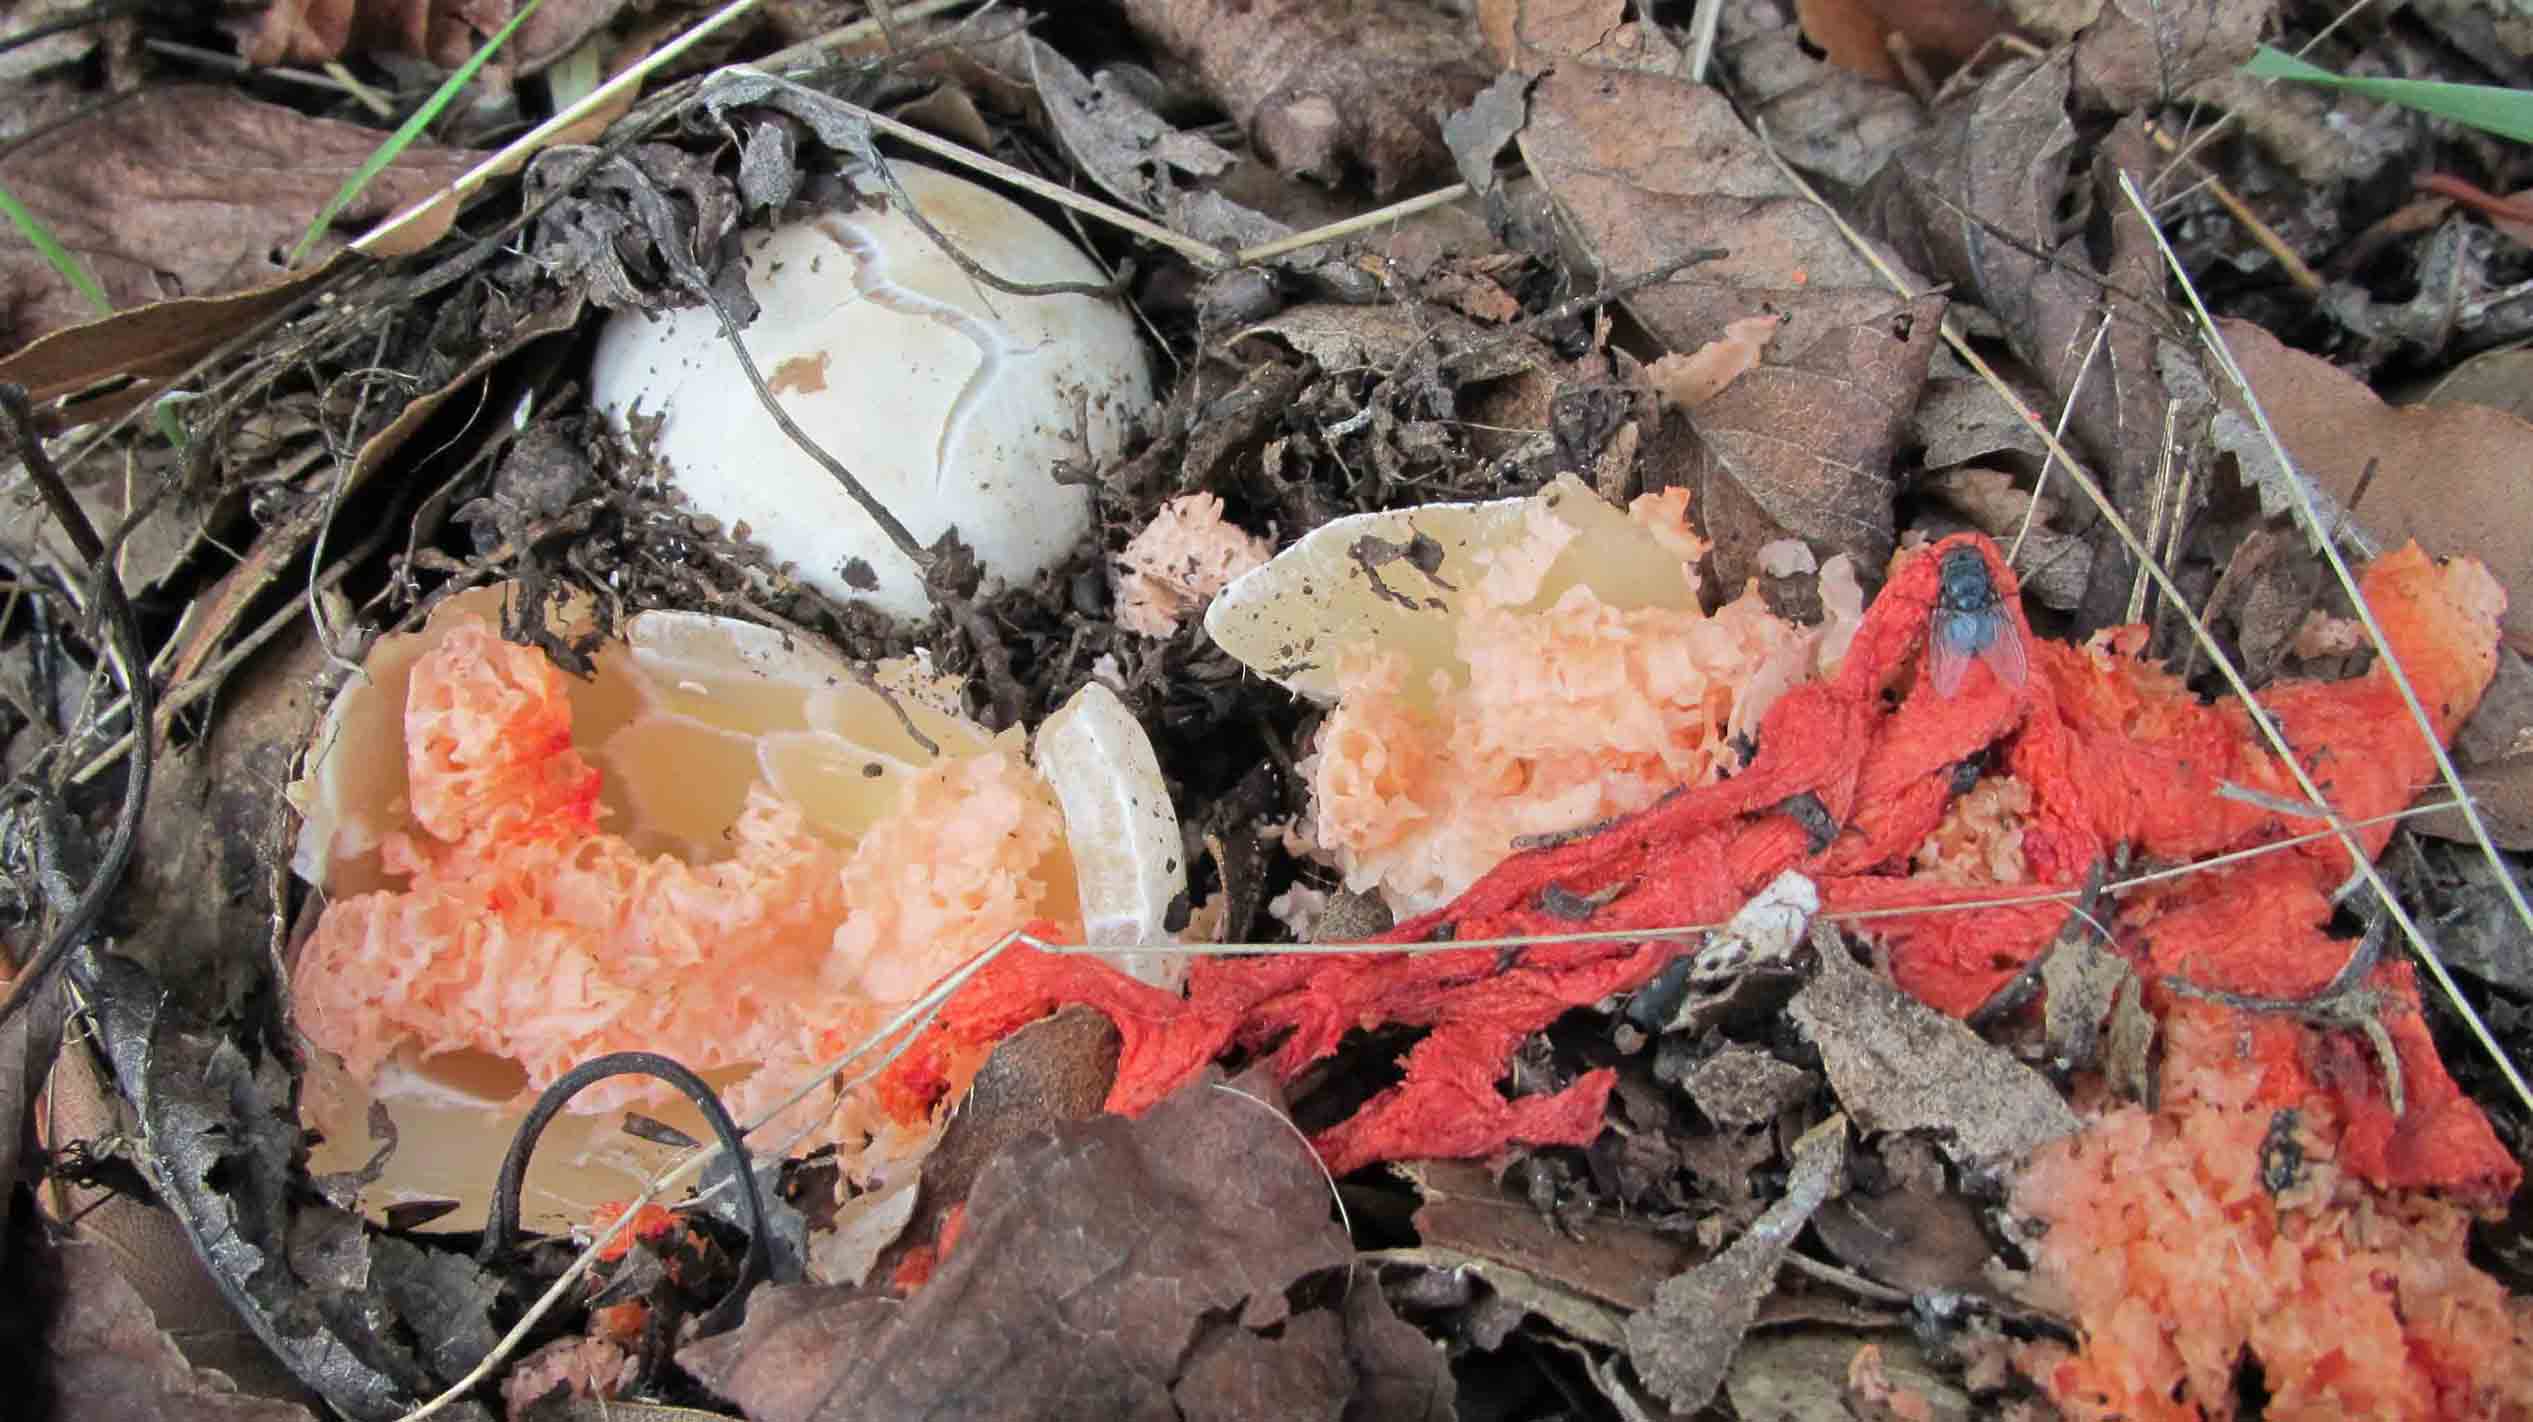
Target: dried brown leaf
(1532,36)
(2142,54)
(1325,87)
(1104,1269)
(1862,36)
(187,191)
(1647,168)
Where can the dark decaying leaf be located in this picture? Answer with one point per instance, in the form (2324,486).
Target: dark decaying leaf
(1616,1261)
(1124,146)
(1043,1076)
(1899,1065)
(1110,1268)
(1976,200)
(219,1130)
(1326,89)
(1682,1346)
(188,191)
(106,1358)
(1802,445)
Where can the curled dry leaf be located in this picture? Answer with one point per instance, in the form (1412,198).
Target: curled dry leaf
(188,190)
(1322,88)
(437,32)
(1802,444)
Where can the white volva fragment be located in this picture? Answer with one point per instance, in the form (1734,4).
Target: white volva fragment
(953,402)
(1127,851)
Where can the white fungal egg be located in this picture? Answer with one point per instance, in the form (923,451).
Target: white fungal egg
(954,402)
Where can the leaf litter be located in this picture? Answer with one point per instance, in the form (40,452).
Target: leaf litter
(1649,1104)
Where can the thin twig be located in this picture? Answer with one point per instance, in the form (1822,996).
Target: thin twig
(1347,227)
(123,640)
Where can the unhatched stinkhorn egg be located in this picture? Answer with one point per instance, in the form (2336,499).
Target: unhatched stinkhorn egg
(954,402)
(725,847)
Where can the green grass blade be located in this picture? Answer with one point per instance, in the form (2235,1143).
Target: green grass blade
(41,238)
(408,131)
(2505,112)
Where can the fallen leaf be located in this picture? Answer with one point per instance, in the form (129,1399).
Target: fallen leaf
(1111,1267)
(1918,1237)
(29,1040)
(1976,200)
(1802,445)
(1683,1346)
(438,32)
(1323,89)
(2501,380)
(1741,1086)
(1506,1296)
(145,1240)
(1045,1075)
(105,1356)
(188,190)
(2450,476)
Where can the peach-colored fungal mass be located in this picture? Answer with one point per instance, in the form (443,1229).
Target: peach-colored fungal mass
(1569,714)
(1179,561)
(517,926)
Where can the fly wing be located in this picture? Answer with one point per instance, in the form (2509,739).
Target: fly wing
(1951,641)
(2005,654)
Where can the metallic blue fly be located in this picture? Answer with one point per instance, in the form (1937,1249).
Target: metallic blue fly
(1970,621)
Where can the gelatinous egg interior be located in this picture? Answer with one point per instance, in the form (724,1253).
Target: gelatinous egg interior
(955,403)
(726,847)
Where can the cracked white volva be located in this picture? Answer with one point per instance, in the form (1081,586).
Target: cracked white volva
(951,402)
(870,279)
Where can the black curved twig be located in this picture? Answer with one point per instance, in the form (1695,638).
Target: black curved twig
(131,666)
(501,1230)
